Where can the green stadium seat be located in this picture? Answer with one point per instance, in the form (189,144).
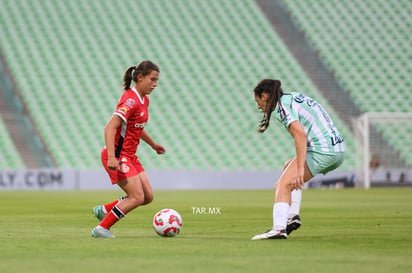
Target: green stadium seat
(374,37)
(203,109)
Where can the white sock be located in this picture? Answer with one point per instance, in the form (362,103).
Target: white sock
(280,215)
(295,204)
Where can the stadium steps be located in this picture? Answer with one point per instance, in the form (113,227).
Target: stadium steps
(365,45)
(9,155)
(19,146)
(310,61)
(324,78)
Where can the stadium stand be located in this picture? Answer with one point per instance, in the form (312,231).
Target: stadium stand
(367,46)
(68,59)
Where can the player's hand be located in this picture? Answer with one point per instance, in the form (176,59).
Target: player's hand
(113,164)
(298,180)
(159,149)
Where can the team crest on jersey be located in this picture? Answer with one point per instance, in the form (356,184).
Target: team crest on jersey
(124,168)
(130,102)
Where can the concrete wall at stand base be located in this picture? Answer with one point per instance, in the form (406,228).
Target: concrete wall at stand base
(74,179)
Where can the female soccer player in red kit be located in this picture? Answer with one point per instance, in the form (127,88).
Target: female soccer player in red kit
(122,135)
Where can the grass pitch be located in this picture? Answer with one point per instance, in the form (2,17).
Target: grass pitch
(343,231)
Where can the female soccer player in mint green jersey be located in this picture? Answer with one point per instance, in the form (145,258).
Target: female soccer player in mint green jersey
(319,149)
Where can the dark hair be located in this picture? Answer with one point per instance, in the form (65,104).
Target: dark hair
(131,73)
(271,87)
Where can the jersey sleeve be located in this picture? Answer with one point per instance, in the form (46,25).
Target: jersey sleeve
(287,113)
(125,107)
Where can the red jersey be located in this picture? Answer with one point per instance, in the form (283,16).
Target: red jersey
(133,110)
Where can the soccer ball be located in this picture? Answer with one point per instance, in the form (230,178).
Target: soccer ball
(167,223)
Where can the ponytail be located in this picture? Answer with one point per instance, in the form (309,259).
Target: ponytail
(131,73)
(271,87)
(128,77)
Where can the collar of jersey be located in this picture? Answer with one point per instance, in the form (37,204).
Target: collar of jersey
(138,95)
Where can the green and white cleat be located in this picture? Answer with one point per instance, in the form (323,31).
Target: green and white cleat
(101,232)
(98,212)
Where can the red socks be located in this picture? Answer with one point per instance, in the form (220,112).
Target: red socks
(112,217)
(108,207)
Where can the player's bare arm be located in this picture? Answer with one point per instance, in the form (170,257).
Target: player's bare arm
(109,136)
(149,140)
(299,137)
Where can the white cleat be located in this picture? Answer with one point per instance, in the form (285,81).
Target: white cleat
(101,232)
(271,234)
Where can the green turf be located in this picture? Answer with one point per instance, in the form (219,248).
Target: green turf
(343,231)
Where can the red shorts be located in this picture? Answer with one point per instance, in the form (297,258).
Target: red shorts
(129,166)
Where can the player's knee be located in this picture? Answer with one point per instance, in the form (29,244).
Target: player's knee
(136,201)
(290,187)
(148,199)
(284,186)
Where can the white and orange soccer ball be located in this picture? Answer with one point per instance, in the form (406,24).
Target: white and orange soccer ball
(167,223)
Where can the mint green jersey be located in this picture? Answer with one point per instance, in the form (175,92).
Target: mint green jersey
(321,133)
